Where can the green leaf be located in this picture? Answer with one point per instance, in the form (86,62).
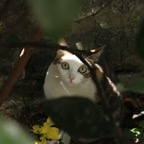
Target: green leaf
(11,133)
(80,117)
(136,85)
(55,16)
(136,131)
(140,42)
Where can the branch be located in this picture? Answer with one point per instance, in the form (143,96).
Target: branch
(18,68)
(93,14)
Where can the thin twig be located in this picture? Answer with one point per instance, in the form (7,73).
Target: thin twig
(93,14)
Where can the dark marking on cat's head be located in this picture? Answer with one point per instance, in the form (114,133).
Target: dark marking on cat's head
(87,75)
(59,54)
(94,54)
(57,61)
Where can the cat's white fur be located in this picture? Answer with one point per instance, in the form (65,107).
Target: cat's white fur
(58,84)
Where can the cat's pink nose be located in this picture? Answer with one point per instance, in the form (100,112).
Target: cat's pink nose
(71,77)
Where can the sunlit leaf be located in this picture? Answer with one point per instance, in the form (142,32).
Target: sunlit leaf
(133,134)
(136,131)
(140,42)
(56,15)
(11,133)
(136,85)
(80,117)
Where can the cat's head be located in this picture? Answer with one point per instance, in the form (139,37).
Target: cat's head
(71,69)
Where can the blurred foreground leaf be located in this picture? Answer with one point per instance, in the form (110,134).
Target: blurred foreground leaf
(11,133)
(80,117)
(56,15)
(140,42)
(136,85)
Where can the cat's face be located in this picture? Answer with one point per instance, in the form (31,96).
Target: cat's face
(71,69)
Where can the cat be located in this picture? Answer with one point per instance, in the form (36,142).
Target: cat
(68,76)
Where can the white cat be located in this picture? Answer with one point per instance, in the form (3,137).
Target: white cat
(68,76)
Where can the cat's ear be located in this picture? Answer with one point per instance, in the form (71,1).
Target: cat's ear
(95,54)
(62,42)
(61,53)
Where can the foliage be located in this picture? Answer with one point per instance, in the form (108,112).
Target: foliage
(136,133)
(11,133)
(56,16)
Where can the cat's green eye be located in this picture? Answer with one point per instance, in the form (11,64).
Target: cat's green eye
(83,69)
(65,65)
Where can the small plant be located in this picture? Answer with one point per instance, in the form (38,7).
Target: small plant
(137,134)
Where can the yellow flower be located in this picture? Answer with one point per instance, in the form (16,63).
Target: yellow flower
(45,128)
(37,129)
(53,133)
(43,141)
(49,120)
(47,131)
(50,132)
(38,142)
